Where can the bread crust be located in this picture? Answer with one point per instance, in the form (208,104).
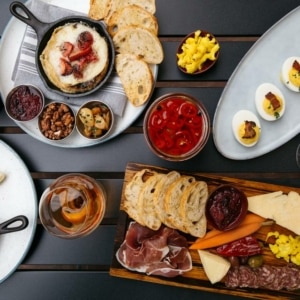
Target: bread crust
(140,42)
(99,9)
(132,191)
(175,200)
(132,15)
(192,209)
(146,205)
(136,77)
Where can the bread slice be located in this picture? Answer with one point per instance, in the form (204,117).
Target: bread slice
(132,15)
(146,206)
(172,201)
(160,193)
(192,208)
(99,9)
(140,42)
(116,5)
(131,193)
(136,77)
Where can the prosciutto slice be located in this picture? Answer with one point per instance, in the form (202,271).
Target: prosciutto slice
(163,252)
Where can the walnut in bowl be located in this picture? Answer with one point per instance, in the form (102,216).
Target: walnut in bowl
(57,121)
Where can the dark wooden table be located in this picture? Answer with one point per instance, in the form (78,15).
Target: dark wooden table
(79,269)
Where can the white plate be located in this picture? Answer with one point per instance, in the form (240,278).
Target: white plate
(17,197)
(261,64)
(10,43)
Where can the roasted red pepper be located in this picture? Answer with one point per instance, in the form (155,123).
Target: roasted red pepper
(246,246)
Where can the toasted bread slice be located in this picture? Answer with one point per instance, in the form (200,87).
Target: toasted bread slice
(172,201)
(146,206)
(99,9)
(160,193)
(132,15)
(192,208)
(116,5)
(140,42)
(136,77)
(131,193)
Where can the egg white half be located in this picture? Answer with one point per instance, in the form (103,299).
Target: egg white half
(260,94)
(287,65)
(239,118)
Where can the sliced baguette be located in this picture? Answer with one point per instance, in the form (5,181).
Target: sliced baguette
(136,78)
(131,193)
(116,5)
(132,15)
(146,206)
(160,192)
(99,9)
(192,208)
(172,201)
(140,42)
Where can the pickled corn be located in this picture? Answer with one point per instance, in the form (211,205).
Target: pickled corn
(196,50)
(286,247)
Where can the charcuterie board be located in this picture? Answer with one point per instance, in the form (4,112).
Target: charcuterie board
(196,278)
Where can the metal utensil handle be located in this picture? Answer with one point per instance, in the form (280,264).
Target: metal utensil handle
(21,12)
(6,228)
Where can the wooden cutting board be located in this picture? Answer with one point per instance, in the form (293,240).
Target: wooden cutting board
(196,278)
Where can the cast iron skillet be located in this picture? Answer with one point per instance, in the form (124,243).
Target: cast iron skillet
(6,227)
(44,32)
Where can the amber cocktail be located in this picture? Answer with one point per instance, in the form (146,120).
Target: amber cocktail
(72,206)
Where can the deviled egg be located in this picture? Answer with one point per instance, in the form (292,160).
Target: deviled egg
(246,128)
(269,101)
(290,73)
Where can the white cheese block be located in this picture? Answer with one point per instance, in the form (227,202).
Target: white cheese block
(283,209)
(215,266)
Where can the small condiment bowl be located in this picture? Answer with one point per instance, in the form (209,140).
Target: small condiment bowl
(206,51)
(57,121)
(226,207)
(94,120)
(24,103)
(176,127)
(73,206)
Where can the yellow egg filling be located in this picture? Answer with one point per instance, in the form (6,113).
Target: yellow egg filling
(248,141)
(294,77)
(268,108)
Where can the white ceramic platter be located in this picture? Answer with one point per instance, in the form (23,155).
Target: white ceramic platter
(9,48)
(17,197)
(261,64)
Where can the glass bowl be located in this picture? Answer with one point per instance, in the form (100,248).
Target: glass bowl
(72,206)
(176,127)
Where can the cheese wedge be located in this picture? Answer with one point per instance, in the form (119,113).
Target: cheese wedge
(215,266)
(283,209)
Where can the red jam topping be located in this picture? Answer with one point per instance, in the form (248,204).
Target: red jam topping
(226,207)
(25,103)
(175,126)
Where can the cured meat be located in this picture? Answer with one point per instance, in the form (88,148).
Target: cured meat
(249,130)
(268,277)
(163,252)
(273,100)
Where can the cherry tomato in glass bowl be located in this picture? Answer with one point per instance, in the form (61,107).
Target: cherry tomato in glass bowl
(176,126)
